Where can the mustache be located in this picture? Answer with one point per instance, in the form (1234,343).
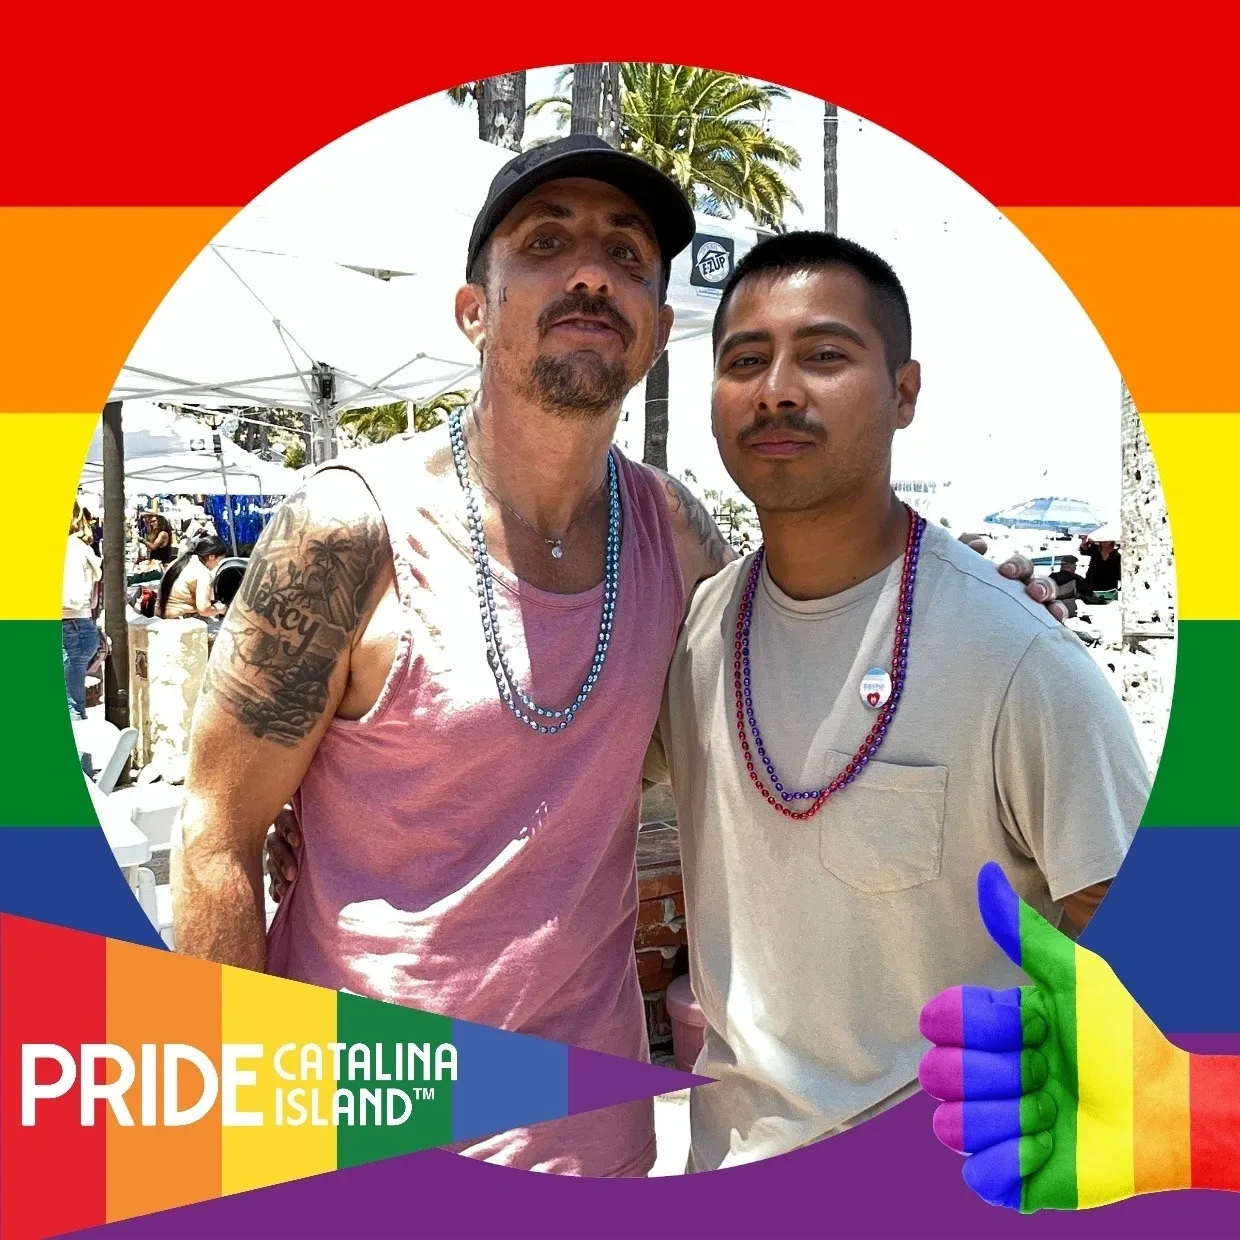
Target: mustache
(800,422)
(589,306)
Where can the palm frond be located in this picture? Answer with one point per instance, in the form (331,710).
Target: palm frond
(706,129)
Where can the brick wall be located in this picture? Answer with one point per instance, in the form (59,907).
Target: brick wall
(660,943)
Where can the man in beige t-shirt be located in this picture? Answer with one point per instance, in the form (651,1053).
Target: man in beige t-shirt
(814,943)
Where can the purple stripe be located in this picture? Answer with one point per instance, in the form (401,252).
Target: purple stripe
(596,1080)
(1207,1043)
(853,1174)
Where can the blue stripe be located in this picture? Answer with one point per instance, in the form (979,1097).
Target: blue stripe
(68,876)
(1168,926)
(505,1080)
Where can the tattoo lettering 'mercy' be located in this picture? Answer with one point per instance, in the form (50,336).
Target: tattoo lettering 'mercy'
(304,593)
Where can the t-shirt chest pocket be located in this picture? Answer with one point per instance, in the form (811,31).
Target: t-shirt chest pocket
(884,831)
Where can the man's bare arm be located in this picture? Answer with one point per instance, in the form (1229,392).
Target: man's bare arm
(276,676)
(1080,906)
(701,548)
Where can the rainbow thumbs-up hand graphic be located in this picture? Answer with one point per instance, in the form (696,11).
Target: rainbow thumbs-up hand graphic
(1063,1094)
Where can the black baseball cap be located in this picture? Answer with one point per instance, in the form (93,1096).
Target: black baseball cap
(584,155)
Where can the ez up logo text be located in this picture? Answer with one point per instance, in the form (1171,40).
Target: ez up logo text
(401,1073)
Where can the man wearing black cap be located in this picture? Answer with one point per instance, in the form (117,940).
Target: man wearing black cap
(449,652)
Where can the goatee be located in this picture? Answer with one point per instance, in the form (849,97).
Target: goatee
(579,385)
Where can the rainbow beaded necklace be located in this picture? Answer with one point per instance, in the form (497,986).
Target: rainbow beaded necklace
(778,796)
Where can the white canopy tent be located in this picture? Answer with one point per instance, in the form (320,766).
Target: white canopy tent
(396,198)
(246,328)
(170,454)
(334,288)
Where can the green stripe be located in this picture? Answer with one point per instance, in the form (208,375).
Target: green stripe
(1037,1114)
(1054,1186)
(430,1123)
(43,785)
(1195,785)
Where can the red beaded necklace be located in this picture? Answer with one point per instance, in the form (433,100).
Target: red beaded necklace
(779,796)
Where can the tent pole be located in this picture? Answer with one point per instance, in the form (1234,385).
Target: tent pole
(232,516)
(322,420)
(116,623)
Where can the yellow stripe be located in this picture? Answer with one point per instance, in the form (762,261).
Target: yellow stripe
(1196,455)
(271,1011)
(42,456)
(1104,1161)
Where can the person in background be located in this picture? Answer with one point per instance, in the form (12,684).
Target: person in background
(185,590)
(157,538)
(94,529)
(1103,570)
(1072,587)
(79,637)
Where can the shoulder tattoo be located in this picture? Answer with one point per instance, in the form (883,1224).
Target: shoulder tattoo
(307,586)
(688,511)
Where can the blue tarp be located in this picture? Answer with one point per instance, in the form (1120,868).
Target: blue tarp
(252,512)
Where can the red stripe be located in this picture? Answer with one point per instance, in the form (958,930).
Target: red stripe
(52,989)
(1214,1103)
(1032,104)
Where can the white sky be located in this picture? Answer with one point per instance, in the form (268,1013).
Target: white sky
(1020,396)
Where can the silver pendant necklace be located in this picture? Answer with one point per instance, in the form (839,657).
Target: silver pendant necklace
(556,544)
(514,697)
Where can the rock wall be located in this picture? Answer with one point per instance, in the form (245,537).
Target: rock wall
(167,662)
(1148,584)
(1144,670)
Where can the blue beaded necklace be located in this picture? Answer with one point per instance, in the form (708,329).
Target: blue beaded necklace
(510,691)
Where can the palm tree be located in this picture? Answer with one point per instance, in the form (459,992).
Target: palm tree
(381,422)
(501,107)
(707,131)
(587,97)
(697,125)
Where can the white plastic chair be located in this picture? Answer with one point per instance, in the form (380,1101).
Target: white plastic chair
(109,748)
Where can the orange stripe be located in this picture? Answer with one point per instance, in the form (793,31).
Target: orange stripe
(1162,1150)
(1159,284)
(156,997)
(80,285)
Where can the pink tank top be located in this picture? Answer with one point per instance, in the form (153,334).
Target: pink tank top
(456,861)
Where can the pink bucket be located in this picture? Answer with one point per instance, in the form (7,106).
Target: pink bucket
(688,1023)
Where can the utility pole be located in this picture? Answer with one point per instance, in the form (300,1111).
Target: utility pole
(830,168)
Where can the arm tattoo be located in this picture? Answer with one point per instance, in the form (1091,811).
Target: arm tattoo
(686,508)
(302,598)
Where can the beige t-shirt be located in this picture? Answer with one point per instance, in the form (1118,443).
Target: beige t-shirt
(191,592)
(813,945)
